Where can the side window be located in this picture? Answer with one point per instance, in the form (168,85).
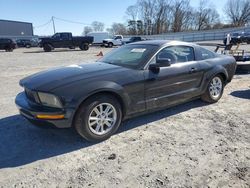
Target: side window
(56,36)
(118,37)
(206,54)
(177,54)
(64,36)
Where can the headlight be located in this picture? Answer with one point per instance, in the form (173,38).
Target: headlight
(49,100)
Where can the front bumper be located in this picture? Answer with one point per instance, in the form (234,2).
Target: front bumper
(31,110)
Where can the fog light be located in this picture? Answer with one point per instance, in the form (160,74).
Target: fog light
(43,116)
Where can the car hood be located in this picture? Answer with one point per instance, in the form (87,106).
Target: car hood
(108,39)
(54,78)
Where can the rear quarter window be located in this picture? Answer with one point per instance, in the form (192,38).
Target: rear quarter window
(207,54)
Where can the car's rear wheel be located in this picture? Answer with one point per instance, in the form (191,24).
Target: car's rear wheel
(98,118)
(214,90)
(84,46)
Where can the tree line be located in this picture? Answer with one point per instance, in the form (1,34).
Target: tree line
(148,17)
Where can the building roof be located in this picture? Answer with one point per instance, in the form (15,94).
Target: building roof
(15,21)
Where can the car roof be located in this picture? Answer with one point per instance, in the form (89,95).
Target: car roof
(164,43)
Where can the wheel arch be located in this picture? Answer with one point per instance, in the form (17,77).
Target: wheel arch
(218,70)
(121,98)
(48,43)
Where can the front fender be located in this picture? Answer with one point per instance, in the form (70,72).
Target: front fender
(75,94)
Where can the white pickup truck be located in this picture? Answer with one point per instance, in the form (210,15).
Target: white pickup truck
(115,41)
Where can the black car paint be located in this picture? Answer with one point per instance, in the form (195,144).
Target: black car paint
(65,42)
(133,39)
(7,44)
(238,38)
(139,90)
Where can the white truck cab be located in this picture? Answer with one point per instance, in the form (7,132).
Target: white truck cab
(115,41)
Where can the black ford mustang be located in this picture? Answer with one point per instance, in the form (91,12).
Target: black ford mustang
(130,80)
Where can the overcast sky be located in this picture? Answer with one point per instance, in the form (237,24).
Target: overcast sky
(40,12)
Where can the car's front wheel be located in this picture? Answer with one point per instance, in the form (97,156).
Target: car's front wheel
(110,45)
(214,90)
(47,48)
(98,118)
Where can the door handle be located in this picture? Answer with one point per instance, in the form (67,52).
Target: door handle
(193,70)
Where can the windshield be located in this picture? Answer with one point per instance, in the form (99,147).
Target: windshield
(130,55)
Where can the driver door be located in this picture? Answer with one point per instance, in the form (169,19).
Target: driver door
(175,83)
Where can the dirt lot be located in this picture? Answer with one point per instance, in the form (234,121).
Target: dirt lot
(191,145)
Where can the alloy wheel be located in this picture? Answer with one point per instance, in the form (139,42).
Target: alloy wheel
(102,118)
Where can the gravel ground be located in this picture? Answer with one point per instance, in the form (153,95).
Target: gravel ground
(190,145)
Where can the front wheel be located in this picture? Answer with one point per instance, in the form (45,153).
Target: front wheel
(214,90)
(98,118)
(47,48)
(9,49)
(110,45)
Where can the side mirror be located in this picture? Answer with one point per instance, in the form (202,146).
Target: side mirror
(163,62)
(155,68)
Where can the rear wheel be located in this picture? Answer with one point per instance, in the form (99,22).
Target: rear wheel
(214,90)
(98,118)
(84,46)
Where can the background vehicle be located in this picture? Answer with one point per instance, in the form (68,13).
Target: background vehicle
(133,39)
(65,40)
(7,44)
(133,79)
(98,36)
(26,43)
(115,41)
(238,38)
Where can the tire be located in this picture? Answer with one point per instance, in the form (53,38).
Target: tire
(214,90)
(8,49)
(47,48)
(84,46)
(110,45)
(94,127)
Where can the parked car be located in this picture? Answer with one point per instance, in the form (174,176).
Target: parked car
(98,37)
(238,38)
(26,43)
(133,39)
(131,80)
(65,40)
(7,44)
(115,41)
(246,37)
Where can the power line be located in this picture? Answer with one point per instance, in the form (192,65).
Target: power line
(70,21)
(43,25)
(75,22)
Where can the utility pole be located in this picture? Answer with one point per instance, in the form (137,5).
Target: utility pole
(53,24)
